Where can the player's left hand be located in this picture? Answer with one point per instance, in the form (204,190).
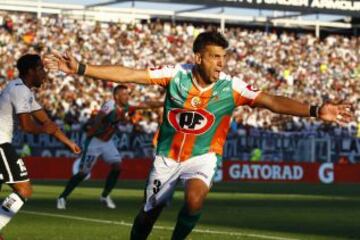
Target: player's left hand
(74,148)
(339,113)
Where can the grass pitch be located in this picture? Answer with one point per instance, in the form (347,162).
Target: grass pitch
(232,211)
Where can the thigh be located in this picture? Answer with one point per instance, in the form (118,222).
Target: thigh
(201,167)
(161,182)
(109,153)
(12,168)
(89,156)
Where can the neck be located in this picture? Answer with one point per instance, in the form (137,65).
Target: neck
(200,77)
(25,81)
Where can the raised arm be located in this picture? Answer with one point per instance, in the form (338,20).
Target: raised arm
(149,105)
(43,118)
(339,113)
(115,73)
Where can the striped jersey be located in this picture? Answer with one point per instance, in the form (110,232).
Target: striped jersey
(196,120)
(113,115)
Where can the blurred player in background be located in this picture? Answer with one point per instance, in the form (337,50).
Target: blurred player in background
(99,142)
(18,100)
(199,103)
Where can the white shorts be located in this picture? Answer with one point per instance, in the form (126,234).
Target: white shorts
(166,173)
(95,148)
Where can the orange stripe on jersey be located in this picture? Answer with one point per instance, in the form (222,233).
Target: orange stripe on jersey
(240,100)
(176,145)
(156,138)
(188,143)
(160,81)
(219,138)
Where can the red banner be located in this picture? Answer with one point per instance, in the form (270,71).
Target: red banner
(62,168)
(291,172)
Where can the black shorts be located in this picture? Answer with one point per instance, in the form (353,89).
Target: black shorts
(12,168)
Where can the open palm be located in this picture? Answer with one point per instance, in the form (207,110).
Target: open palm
(340,114)
(65,63)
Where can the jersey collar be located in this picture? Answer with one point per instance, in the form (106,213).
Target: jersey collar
(197,85)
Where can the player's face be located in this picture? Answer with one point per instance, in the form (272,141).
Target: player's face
(38,75)
(211,62)
(121,97)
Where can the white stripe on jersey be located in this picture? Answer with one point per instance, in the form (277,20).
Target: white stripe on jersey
(244,89)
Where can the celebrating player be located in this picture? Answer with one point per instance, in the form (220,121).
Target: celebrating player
(99,143)
(199,103)
(18,99)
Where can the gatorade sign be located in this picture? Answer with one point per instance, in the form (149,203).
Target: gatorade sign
(327,173)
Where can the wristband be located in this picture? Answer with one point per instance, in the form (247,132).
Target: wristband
(314,111)
(81,69)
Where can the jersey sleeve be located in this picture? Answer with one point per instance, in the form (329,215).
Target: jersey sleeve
(35,105)
(107,107)
(162,75)
(244,94)
(23,100)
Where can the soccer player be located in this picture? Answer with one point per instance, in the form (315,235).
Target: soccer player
(199,103)
(17,99)
(99,143)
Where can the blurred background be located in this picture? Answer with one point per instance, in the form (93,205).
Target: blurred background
(304,49)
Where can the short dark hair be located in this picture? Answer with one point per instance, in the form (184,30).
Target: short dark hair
(209,38)
(26,62)
(119,87)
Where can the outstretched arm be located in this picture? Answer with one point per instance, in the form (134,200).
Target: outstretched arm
(43,118)
(149,105)
(339,113)
(115,73)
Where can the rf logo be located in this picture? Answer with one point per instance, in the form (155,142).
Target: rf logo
(194,122)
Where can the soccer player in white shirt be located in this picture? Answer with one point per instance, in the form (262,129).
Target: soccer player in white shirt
(18,104)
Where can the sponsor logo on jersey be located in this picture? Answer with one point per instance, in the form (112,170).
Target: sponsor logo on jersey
(251,88)
(195,101)
(191,121)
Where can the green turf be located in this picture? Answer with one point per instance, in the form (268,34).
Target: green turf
(232,211)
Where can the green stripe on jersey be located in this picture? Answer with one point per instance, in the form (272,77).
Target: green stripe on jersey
(221,105)
(177,93)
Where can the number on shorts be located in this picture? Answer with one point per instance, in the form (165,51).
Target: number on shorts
(88,160)
(157,185)
(21,164)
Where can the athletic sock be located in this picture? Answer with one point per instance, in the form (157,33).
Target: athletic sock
(110,183)
(141,227)
(72,184)
(144,223)
(185,224)
(10,206)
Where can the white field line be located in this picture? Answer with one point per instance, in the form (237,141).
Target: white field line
(122,223)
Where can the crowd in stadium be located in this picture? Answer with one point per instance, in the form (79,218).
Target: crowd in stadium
(296,65)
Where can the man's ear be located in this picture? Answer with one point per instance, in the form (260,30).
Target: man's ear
(197,58)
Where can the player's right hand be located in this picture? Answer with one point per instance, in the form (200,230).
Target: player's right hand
(61,62)
(74,147)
